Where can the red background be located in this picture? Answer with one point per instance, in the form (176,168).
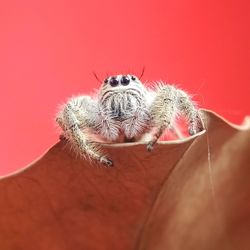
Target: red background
(48,50)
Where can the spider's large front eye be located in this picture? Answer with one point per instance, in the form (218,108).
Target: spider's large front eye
(113,82)
(125,80)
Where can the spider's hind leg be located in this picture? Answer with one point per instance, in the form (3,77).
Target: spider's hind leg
(187,107)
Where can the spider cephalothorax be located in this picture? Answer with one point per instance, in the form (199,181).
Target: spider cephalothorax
(124,110)
(123,99)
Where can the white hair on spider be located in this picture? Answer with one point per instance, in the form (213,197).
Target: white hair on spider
(124,110)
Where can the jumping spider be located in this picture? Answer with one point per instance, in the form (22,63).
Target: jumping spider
(124,110)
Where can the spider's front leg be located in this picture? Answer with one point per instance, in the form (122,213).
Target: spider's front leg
(76,117)
(168,103)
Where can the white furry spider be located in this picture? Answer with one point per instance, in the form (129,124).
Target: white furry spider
(123,111)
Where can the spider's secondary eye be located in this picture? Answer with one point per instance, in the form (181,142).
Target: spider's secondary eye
(125,80)
(106,80)
(113,82)
(133,78)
